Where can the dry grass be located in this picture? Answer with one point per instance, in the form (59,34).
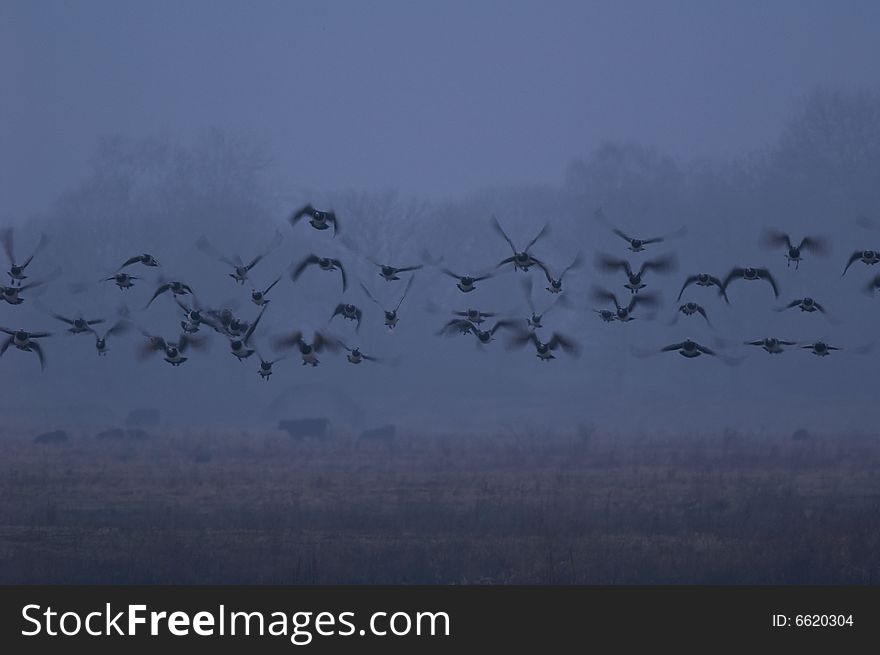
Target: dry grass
(239,508)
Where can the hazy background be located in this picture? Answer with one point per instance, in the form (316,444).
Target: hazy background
(127,127)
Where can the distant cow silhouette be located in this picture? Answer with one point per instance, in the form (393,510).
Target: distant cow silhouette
(138,434)
(385,433)
(305,428)
(56,436)
(112,433)
(142,418)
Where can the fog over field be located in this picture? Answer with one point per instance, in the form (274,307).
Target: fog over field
(129,128)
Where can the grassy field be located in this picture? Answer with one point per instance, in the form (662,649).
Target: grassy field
(591,508)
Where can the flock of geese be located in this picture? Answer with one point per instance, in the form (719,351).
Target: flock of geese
(633,301)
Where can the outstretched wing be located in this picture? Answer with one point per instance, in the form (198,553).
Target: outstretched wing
(576,262)
(269,288)
(500,230)
(689,281)
(162,289)
(309,260)
(544,231)
(774,239)
(702,312)
(527,290)
(342,272)
(612,264)
(765,274)
(815,244)
(735,272)
(405,291)
(37,348)
(129,262)
(8,243)
(250,331)
(660,265)
(603,295)
(288,341)
(568,345)
(646,299)
(856,256)
(324,341)
(254,261)
(370,296)
(307,210)
(705,350)
(205,246)
(622,235)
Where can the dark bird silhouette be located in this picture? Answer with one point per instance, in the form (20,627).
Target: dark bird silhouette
(173,352)
(266,365)
(474,316)
(176,288)
(350,312)
(634,279)
(867,257)
(308,351)
(259,297)
(625,313)
(119,327)
(689,309)
(805,304)
(324,263)
(772,345)
(391,316)
(544,351)
(122,280)
(320,220)
(144,258)
(704,280)
(391,273)
(750,274)
(16,269)
(534,321)
(355,356)
(240,270)
(463,326)
(816,245)
(521,259)
(554,284)
(466,283)
(485,336)
(79,325)
(240,346)
(636,244)
(26,342)
(688,348)
(11,294)
(195,316)
(820,348)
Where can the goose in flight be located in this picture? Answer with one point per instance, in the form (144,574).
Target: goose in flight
(320,220)
(521,259)
(634,279)
(794,253)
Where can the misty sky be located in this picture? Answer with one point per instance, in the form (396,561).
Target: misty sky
(441,99)
(431,98)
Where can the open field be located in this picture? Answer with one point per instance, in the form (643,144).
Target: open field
(195,507)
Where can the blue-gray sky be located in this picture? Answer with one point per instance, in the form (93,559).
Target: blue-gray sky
(444,99)
(427,97)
